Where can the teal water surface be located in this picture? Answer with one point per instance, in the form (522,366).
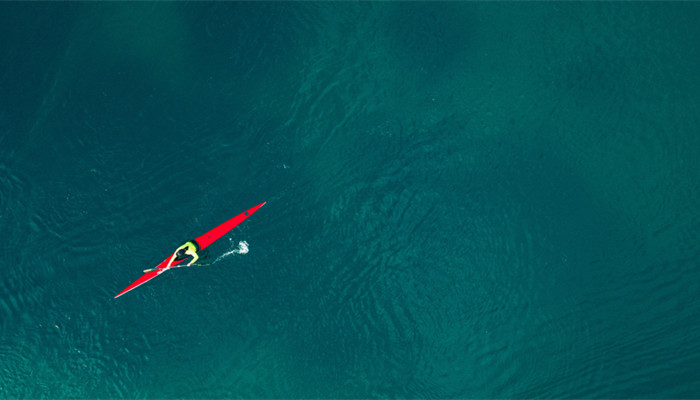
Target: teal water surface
(464,200)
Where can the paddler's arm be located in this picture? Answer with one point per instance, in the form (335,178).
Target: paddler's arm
(194,255)
(175,255)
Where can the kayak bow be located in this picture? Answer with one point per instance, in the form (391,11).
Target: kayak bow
(203,241)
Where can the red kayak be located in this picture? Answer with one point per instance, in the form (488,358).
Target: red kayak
(202,242)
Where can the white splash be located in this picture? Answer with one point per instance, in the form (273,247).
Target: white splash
(242,249)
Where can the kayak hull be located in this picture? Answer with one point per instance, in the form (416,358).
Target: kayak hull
(203,241)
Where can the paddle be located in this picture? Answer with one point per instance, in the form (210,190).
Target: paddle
(176,266)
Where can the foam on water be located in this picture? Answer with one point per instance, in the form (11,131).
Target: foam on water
(241,249)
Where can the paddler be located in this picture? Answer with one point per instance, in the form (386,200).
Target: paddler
(188,249)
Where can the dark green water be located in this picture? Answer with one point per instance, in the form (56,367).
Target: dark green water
(473,200)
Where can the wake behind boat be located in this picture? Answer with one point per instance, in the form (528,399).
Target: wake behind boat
(201,242)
